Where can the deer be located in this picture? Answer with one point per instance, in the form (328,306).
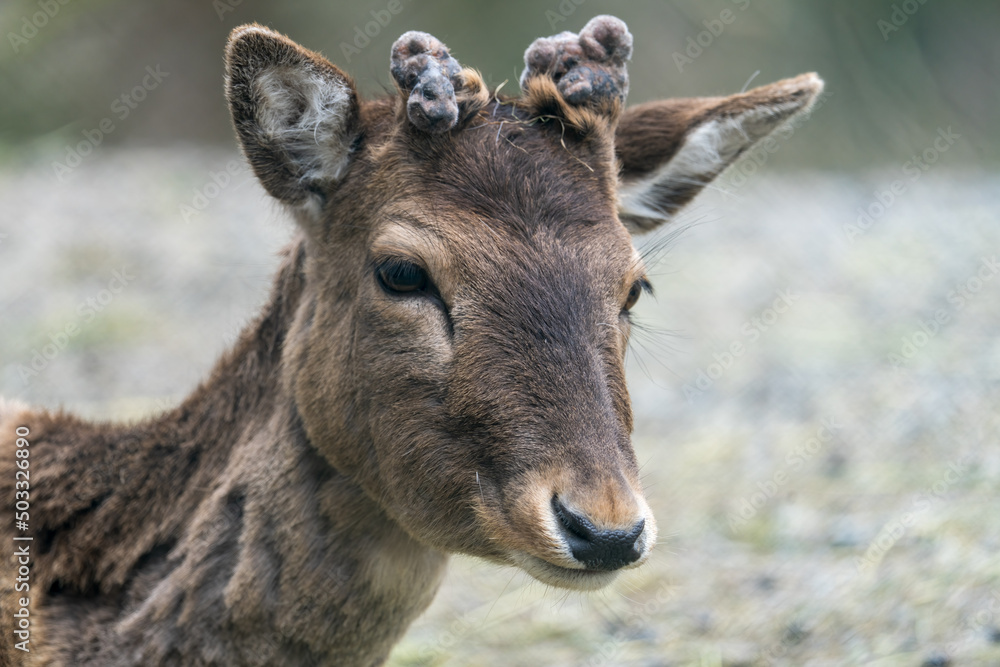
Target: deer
(439,368)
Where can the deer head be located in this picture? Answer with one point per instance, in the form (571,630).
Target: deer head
(459,352)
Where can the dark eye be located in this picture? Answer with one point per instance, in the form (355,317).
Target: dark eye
(401,277)
(636,291)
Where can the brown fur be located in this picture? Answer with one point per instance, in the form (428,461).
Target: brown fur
(298,507)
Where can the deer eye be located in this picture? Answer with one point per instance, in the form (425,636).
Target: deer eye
(633,294)
(399,276)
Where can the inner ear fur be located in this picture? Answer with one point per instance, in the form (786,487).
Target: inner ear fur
(670,150)
(295,113)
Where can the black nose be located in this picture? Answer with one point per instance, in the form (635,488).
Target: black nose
(597,549)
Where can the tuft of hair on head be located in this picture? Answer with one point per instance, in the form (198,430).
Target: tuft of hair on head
(541,99)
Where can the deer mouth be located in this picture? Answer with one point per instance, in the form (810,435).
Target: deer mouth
(580,579)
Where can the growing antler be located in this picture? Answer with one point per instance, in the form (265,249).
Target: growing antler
(588,68)
(423,68)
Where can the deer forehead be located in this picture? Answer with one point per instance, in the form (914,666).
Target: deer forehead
(464,252)
(479,201)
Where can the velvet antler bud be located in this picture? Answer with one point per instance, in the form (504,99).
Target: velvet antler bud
(424,69)
(588,68)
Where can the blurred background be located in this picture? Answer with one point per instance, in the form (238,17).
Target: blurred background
(826,496)
(896,69)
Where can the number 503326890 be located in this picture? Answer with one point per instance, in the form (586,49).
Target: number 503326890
(22,484)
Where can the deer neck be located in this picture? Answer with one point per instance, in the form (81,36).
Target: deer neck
(284,559)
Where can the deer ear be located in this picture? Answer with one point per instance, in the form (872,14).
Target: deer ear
(296,114)
(671,149)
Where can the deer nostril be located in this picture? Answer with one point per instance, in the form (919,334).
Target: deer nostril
(597,549)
